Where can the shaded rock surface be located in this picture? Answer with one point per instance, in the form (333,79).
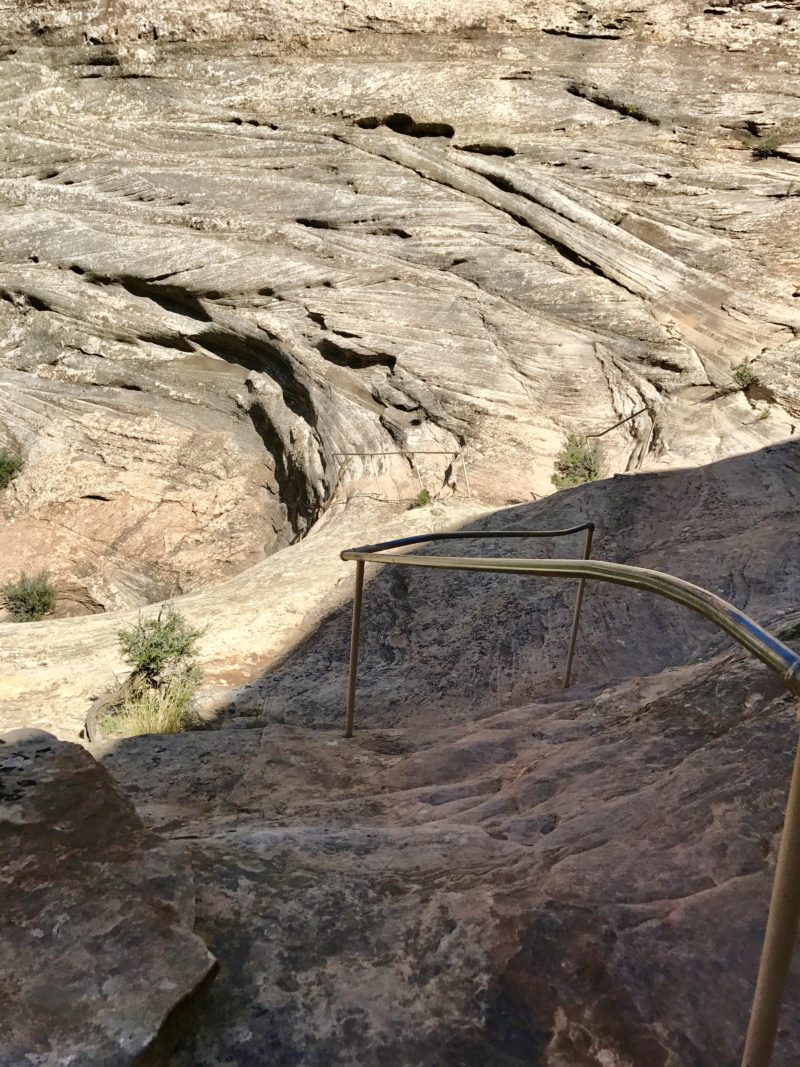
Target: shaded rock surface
(579,881)
(98,956)
(530,876)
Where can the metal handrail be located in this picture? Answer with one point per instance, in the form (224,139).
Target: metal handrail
(413,453)
(371,552)
(784,909)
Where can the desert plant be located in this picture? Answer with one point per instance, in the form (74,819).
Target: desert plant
(767,146)
(159,695)
(166,708)
(29,598)
(164,643)
(576,463)
(745,376)
(9,466)
(421,500)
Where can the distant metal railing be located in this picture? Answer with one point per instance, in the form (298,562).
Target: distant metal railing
(784,909)
(406,453)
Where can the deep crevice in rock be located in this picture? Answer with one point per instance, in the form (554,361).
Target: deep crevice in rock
(353,358)
(610,104)
(170,298)
(400,122)
(260,355)
(485,149)
(294,489)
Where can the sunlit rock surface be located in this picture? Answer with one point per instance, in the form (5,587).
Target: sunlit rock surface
(222,266)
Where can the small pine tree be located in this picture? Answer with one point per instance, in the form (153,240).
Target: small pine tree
(576,463)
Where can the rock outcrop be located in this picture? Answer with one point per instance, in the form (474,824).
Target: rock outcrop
(494,870)
(98,957)
(284,255)
(242,241)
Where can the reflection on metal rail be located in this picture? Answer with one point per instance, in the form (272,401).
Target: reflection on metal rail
(784,910)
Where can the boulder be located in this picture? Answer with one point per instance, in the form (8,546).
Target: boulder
(99,961)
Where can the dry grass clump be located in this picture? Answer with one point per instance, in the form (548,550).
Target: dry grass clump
(159,696)
(166,708)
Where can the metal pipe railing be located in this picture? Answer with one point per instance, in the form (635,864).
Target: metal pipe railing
(421,539)
(457,454)
(784,908)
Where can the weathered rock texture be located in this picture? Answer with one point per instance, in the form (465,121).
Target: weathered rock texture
(572,883)
(223,266)
(734,23)
(97,954)
(493,870)
(224,261)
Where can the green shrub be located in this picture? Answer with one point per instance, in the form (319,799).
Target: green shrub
(768,146)
(421,500)
(9,467)
(576,463)
(28,599)
(153,646)
(165,708)
(160,692)
(745,376)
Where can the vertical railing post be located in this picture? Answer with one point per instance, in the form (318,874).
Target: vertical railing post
(375,474)
(416,471)
(355,636)
(587,551)
(466,476)
(780,936)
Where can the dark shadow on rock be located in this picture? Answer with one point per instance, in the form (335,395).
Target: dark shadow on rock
(451,647)
(572,880)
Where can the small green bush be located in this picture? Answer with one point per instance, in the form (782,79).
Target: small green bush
(166,708)
(767,146)
(745,376)
(9,467)
(28,599)
(576,463)
(156,645)
(421,500)
(161,689)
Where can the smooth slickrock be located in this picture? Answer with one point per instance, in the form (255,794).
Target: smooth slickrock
(239,241)
(98,958)
(224,265)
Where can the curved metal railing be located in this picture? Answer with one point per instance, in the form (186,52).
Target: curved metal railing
(784,911)
(371,553)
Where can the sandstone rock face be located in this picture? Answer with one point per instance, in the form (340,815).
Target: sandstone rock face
(575,882)
(238,244)
(97,952)
(224,266)
(734,23)
(494,870)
